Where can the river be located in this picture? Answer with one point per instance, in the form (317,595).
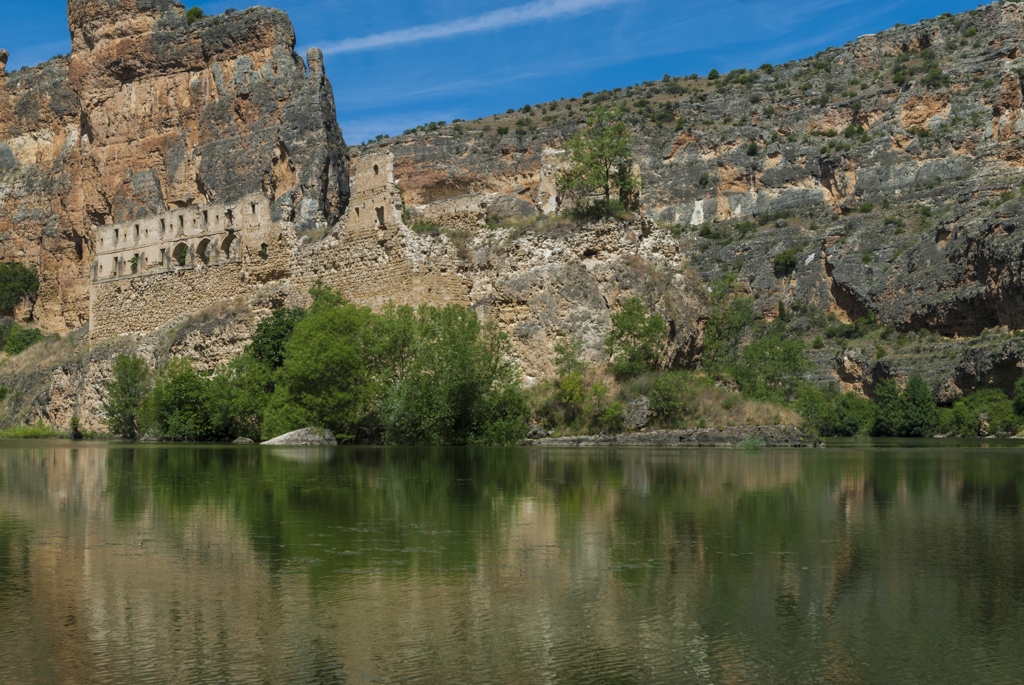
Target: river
(866,562)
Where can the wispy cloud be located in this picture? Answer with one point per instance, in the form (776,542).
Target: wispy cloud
(490,21)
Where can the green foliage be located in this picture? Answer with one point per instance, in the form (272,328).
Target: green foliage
(272,335)
(1018,396)
(17,281)
(830,413)
(20,339)
(194,15)
(753,442)
(126,392)
(567,356)
(752,149)
(922,416)
(966,416)
(713,75)
(40,429)
(636,340)
(674,397)
(818,343)
(177,408)
(891,410)
(729,317)
(460,386)
(600,161)
(785,261)
(324,380)
(771,367)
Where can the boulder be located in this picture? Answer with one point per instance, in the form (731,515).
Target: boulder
(304,436)
(244,441)
(638,413)
(535,432)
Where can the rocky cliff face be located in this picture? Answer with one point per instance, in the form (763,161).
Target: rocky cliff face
(149,114)
(889,169)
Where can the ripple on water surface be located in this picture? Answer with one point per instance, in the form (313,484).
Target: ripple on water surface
(867,564)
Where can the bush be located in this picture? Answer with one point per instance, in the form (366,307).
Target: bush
(16,283)
(194,15)
(178,405)
(829,413)
(460,386)
(752,149)
(713,75)
(126,393)
(272,335)
(20,339)
(636,340)
(771,367)
(785,262)
(965,418)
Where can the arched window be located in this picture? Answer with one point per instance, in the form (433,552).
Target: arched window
(227,247)
(202,251)
(180,254)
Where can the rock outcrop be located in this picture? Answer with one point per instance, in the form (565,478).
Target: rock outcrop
(304,436)
(149,114)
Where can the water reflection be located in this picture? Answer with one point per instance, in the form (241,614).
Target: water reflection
(196,564)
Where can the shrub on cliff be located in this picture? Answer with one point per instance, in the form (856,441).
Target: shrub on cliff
(17,281)
(600,162)
(637,339)
(126,392)
(194,15)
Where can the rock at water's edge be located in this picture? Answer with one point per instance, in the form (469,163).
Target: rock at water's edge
(304,436)
(245,441)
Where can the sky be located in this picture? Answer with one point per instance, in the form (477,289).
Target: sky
(399,63)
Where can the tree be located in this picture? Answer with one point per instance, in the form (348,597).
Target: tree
(273,333)
(600,161)
(1018,396)
(194,15)
(922,415)
(125,395)
(890,410)
(323,381)
(461,386)
(17,281)
(636,340)
(771,367)
(725,324)
(179,403)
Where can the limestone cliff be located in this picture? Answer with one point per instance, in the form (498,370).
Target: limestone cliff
(150,114)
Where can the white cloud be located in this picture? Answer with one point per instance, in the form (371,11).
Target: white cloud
(491,21)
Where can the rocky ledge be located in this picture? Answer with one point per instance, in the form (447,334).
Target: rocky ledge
(773,436)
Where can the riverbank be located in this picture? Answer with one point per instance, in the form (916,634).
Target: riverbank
(737,436)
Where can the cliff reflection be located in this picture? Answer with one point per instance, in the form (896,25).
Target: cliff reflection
(205,563)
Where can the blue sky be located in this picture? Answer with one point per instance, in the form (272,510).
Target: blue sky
(398,64)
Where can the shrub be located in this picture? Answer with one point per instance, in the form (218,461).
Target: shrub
(891,411)
(703,179)
(502,130)
(460,387)
(20,339)
(829,413)
(636,340)
(126,392)
(771,367)
(713,75)
(753,442)
(752,149)
(194,15)
(922,416)
(965,418)
(17,281)
(272,335)
(178,406)
(785,262)
(866,208)
(818,342)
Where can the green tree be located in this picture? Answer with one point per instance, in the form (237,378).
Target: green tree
(126,392)
(771,367)
(730,316)
(323,380)
(272,335)
(922,415)
(1018,396)
(600,161)
(17,281)
(461,386)
(237,398)
(178,407)
(890,410)
(194,15)
(637,340)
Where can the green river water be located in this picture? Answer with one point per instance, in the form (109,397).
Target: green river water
(867,562)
